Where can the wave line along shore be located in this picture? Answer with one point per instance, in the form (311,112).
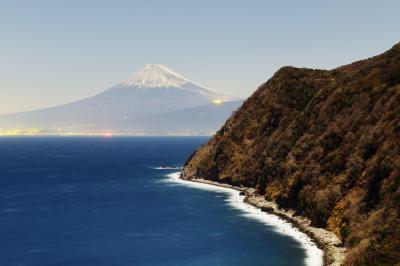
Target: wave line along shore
(322,247)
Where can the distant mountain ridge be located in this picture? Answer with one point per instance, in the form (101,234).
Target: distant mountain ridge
(125,108)
(325,143)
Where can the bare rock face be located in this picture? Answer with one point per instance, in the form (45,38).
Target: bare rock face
(324,143)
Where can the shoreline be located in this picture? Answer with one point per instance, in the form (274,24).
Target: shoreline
(315,240)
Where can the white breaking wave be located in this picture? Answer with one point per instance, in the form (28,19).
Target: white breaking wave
(314,255)
(167,168)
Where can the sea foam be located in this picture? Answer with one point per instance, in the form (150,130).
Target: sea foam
(314,255)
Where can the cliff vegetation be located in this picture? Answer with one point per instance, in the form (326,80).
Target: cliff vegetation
(325,143)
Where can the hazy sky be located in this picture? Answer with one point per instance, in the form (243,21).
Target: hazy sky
(54,52)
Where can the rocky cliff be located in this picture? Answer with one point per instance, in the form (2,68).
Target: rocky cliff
(325,143)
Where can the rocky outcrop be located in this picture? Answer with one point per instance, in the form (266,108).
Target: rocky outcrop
(324,143)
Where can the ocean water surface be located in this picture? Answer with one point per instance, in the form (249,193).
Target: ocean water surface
(71,201)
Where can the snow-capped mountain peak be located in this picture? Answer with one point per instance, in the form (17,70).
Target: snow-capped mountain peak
(155,76)
(154,99)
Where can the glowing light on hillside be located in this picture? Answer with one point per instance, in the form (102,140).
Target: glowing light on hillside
(217,102)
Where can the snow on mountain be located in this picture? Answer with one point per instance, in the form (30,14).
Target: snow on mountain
(154,90)
(158,76)
(158,89)
(155,76)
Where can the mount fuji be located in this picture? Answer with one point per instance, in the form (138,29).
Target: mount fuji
(153,101)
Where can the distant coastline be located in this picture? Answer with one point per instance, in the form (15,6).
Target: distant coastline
(322,247)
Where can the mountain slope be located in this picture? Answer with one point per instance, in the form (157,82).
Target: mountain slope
(196,119)
(326,144)
(153,90)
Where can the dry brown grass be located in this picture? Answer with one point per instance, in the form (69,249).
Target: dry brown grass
(325,143)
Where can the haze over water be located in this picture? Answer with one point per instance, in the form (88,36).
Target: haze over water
(99,201)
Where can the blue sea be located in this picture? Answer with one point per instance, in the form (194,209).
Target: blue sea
(83,201)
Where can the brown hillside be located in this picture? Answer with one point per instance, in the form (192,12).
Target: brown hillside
(325,143)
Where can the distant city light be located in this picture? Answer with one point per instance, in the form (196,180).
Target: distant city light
(217,102)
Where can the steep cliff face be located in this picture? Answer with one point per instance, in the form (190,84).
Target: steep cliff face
(325,143)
